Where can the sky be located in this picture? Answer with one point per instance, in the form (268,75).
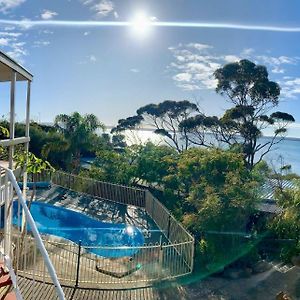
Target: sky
(82,61)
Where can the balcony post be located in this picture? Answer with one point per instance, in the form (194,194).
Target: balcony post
(7,216)
(12,116)
(8,187)
(27,125)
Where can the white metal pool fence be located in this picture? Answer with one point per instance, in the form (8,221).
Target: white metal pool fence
(77,265)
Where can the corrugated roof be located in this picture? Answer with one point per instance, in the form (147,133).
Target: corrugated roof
(268,189)
(267,195)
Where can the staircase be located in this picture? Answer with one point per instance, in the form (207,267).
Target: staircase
(13,235)
(6,284)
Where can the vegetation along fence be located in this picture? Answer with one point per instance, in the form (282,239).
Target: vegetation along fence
(81,265)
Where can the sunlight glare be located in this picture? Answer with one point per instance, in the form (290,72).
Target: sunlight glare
(129,230)
(141,24)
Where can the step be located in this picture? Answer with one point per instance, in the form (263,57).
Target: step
(10,296)
(5,280)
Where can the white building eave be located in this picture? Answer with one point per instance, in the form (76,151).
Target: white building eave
(7,64)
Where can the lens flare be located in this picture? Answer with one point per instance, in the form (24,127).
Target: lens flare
(141,24)
(130,230)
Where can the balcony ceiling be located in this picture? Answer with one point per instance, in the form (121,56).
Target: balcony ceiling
(7,64)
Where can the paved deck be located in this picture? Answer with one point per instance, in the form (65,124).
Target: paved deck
(39,290)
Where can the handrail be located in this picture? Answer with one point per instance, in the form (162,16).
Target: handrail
(8,264)
(36,235)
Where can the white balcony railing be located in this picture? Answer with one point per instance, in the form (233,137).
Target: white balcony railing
(16,252)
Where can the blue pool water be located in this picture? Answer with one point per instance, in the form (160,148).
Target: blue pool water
(77,227)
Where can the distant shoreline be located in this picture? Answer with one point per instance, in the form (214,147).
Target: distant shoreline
(295,139)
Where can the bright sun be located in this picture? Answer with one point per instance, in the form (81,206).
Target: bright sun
(141,24)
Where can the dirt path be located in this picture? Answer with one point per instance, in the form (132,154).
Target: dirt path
(263,286)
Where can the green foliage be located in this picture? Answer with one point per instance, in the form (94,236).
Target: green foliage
(252,93)
(33,164)
(282,116)
(4,132)
(115,167)
(165,118)
(218,197)
(213,192)
(153,164)
(261,171)
(128,123)
(245,82)
(286,225)
(47,143)
(217,187)
(143,164)
(79,131)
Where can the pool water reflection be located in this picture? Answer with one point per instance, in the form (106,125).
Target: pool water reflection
(75,226)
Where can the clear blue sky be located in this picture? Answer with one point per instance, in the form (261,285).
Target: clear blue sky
(111,71)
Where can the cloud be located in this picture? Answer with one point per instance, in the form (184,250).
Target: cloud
(134,70)
(12,44)
(18,52)
(46,31)
(231,58)
(102,8)
(4,41)
(38,44)
(290,87)
(48,14)
(10,34)
(92,58)
(247,52)
(276,61)
(6,5)
(89,59)
(199,46)
(194,64)
(183,77)
(25,23)
(9,28)
(153,19)
(87,2)
(277,70)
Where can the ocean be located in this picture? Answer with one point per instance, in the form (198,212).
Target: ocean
(286,152)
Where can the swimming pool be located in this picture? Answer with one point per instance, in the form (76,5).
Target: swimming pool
(75,226)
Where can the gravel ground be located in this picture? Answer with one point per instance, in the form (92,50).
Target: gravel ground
(263,286)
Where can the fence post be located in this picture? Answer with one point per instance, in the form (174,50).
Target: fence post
(160,257)
(169,224)
(152,216)
(78,264)
(193,255)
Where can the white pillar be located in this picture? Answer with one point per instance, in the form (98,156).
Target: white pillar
(8,187)
(12,117)
(27,125)
(7,217)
